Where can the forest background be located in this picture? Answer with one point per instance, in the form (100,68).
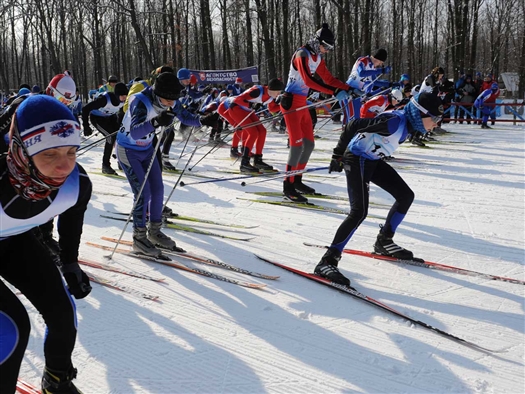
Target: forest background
(128,38)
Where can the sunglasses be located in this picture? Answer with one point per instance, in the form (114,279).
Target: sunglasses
(60,97)
(435,119)
(326,45)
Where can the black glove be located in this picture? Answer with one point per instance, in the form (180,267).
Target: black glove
(257,107)
(209,120)
(77,280)
(336,164)
(87,130)
(165,118)
(207,89)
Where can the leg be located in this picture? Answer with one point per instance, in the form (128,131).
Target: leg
(308,147)
(389,180)
(37,277)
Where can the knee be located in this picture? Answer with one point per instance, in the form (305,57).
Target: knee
(406,200)
(308,145)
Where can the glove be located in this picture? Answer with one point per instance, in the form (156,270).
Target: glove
(209,120)
(386,70)
(77,280)
(341,94)
(165,118)
(207,89)
(87,130)
(257,107)
(336,164)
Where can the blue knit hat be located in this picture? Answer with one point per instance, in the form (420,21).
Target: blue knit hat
(23,91)
(45,123)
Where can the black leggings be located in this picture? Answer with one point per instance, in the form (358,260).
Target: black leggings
(27,266)
(359,173)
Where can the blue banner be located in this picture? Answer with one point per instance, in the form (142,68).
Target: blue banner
(222,77)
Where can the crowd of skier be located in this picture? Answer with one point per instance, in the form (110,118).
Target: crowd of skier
(40,178)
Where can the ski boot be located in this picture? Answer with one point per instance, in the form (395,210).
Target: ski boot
(234,152)
(106,169)
(291,194)
(142,245)
(385,246)
(301,187)
(327,267)
(158,238)
(58,382)
(167,166)
(246,167)
(260,164)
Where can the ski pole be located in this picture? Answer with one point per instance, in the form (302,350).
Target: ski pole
(180,176)
(93,144)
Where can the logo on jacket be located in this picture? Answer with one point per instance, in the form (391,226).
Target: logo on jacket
(62,129)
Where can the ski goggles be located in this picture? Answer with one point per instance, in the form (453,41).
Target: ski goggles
(327,46)
(60,97)
(434,118)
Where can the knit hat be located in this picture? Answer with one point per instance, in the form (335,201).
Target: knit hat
(44,123)
(183,73)
(325,36)
(112,78)
(421,106)
(380,54)
(23,91)
(238,80)
(193,79)
(167,86)
(494,87)
(36,89)
(230,87)
(121,89)
(275,84)
(63,88)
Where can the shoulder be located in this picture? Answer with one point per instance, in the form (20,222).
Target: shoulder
(302,52)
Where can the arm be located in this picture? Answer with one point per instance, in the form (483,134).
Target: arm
(301,63)
(329,79)
(140,126)
(71,221)
(96,104)
(185,116)
(378,125)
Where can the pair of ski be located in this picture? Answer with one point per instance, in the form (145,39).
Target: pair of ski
(319,196)
(306,206)
(356,294)
(426,264)
(180,227)
(166,260)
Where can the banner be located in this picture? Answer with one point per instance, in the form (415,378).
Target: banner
(225,77)
(511,81)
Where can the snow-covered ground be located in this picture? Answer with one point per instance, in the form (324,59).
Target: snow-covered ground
(295,336)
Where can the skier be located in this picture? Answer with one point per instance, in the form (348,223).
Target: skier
(109,86)
(153,108)
(432,81)
(242,115)
(41,179)
(488,96)
(362,145)
(381,103)
(306,61)
(106,115)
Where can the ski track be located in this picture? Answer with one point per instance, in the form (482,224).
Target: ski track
(295,336)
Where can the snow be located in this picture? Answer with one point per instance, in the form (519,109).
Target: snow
(295,336)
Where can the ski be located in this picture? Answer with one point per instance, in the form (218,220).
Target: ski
(202,259)
(165,260)
(116,286)
(121,177)
(426,264)
(354,293)
(175,226)
(122,271)
(193,219)
(320,196)
(307,206)
(23,387)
